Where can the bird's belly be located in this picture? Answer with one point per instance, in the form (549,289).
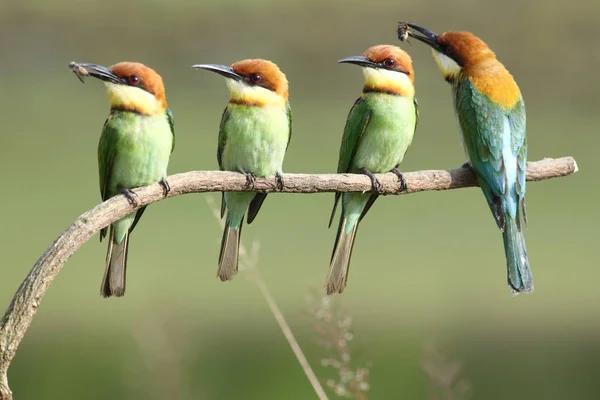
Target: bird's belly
(142,159)
(381,150)
(256,146)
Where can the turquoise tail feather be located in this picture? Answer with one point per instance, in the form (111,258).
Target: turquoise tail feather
(519,272)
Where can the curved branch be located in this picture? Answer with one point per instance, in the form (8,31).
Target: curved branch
(28,296)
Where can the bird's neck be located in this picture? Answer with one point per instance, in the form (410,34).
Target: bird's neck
(493,80)
(388,82)
(129,98)
(243,94)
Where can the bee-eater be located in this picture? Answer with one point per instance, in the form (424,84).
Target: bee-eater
(491,116)
(255,131)
(136,143)
(378,131)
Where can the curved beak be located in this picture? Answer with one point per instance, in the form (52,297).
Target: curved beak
(406,29)
(223,70)
(359,60)
(94,70)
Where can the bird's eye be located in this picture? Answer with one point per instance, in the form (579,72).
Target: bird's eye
(389,62)
(133,80)
(255,78)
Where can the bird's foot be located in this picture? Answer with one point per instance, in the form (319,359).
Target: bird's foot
(279,180)
(401,179)
(130,195)
(165,186)
(250,179)
(467,165)
(375,185)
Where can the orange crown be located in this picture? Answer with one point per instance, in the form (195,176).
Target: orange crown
(396,74)
(272,77)
(384,51)
(143,77)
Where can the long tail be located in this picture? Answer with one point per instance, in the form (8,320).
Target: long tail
(519,273)
(113,283)
(340,259)
(229,256)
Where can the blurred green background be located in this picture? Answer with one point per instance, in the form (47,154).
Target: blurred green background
(426,267)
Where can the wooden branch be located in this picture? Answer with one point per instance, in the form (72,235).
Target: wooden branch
(28,296)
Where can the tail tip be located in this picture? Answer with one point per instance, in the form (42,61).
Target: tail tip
(117,292)
(523,289)
(226,276)
(333,288)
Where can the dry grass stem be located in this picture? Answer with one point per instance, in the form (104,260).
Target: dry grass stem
(249,264)
(334,329)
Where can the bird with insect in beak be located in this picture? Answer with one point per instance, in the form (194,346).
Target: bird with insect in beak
(491,118)
(136,143)
(379,130)
(255,131)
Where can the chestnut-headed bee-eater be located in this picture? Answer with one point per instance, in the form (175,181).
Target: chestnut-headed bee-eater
(136,143)
(378,131)
(255,131)
(491,116)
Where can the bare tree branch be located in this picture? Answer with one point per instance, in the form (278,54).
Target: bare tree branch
(28,296)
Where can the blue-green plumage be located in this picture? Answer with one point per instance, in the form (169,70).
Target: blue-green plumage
(495,141)
(378,131)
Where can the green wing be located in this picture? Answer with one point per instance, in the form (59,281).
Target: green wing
(356,126)
(288,111)
(416,113)
(106,157)
(483,126)
(222,136)
(220,146)
(171,120)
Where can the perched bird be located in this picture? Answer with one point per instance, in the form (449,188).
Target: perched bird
(136,143)
(378,131)
(491,116)
(255,131)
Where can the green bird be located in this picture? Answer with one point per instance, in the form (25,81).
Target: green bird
(379,130)
(136,143)
(491,116)
(255,131)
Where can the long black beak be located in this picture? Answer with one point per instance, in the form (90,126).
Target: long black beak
(406,29)
(95,70)
(359,60)
(223,70)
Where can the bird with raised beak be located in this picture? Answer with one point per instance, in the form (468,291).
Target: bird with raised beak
(254,134)
(379,129)
(134,150)
(491,117)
